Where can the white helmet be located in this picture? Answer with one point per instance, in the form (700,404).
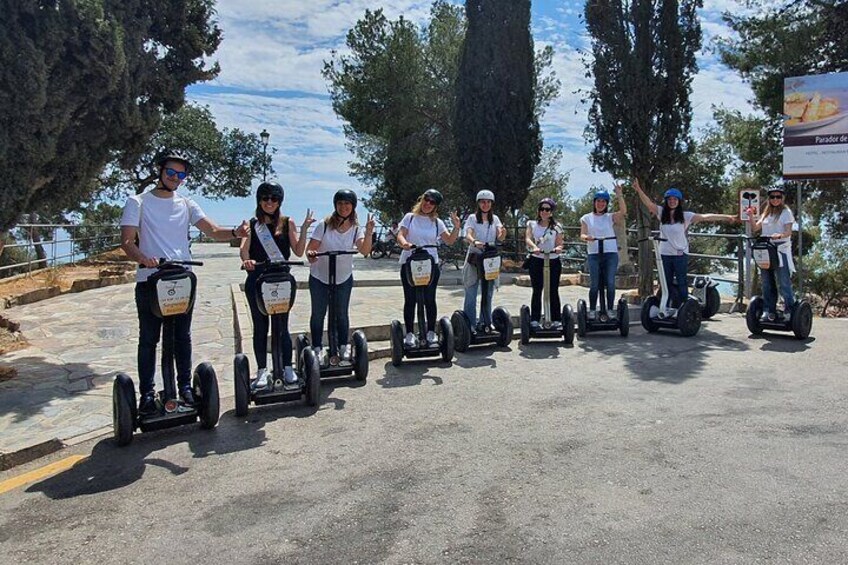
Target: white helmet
(485,195)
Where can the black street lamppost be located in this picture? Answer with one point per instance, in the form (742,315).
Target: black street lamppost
(264,136)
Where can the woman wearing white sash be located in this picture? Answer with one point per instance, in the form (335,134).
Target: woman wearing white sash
(272,237)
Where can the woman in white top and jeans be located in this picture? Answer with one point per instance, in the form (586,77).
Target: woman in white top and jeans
(338,232)
(481,228)
(422,226)
(674,228)
(595,225)
(544,235)
(776,222)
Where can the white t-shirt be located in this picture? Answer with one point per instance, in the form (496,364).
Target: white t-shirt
(775,224)
(678,243)
(163,225)
(545,238)
(599,225)
(332,240)
(485,232)
(422,230)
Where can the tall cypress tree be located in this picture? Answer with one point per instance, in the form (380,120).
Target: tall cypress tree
(643,63)
(495,125)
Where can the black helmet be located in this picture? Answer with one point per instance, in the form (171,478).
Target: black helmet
(345,195)
(173,155)
(270,189)
(434,195)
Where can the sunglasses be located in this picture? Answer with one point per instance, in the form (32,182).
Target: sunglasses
(270,199)
(175,173)
(544,209)
(775,196)
(430,201)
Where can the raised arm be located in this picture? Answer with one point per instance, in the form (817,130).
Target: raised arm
(621,213)
(450,238)
(364,244)
(212,230)
(726,218)
(649,204)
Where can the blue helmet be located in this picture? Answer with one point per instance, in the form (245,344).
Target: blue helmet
(602,195)
(673,192)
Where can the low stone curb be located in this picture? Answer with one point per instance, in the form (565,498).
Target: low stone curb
(79,285)
(31,453)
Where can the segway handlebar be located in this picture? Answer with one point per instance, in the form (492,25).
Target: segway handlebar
(653,237)
(167,262)
(414,247)
(330,253)
(275,263)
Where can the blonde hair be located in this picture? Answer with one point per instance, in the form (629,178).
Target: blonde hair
(769,210)
(416,209)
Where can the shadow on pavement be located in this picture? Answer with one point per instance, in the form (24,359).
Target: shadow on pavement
(412,373)
(544,349)
(781,342)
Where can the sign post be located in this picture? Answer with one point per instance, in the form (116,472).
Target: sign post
(748,199)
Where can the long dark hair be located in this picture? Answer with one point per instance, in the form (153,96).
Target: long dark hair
(490,214)
(277,218)
(334,221)
(552,223)
(672,215)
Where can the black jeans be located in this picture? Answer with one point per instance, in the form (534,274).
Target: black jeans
(149,330)
(537,279)
(261,322)
(409,302)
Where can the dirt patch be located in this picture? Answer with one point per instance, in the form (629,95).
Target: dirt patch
(10,340)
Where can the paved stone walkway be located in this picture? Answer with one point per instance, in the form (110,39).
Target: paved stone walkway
(79,341)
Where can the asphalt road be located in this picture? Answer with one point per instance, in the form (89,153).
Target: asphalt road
(651,449)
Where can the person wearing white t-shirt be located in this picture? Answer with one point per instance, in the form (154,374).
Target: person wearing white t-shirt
(340,231)
(596,225)
(776,222)
(481,228)
(674,228)
(421,227)
(544,234)
(160,219)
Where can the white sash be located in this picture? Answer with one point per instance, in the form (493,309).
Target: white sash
(266,238)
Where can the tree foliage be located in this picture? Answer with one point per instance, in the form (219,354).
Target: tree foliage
(496,127)
(394,91)
(85,81)
(643,63)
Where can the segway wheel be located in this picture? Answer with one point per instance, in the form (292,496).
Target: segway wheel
(752,316)
(241,384)
(802,319)
(300,343)
(689,318)
(524,322)
(581,318)
(713,303)
(446,343)
(312,375)
(360,354)
(123,409)
(461,331)
(623,318)
(645,314)
(503,324)
(397,343)
(567,324)
(206,383)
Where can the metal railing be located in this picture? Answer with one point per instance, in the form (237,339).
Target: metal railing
(58,244)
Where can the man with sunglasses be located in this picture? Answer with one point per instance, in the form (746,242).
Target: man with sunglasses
(153,225)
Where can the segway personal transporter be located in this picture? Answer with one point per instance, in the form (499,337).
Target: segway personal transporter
(666,312)
(800,319)
(174,292)
(275,293)
(603,321)
(418,271)
(500,332)
(547,327)
(335,366)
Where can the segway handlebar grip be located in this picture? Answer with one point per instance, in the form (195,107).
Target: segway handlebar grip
(165,262)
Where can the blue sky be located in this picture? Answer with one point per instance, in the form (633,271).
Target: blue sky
(271,59)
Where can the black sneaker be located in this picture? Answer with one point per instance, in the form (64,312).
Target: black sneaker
(147,405)
(187,396)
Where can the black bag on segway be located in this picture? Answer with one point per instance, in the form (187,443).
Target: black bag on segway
(418,268)
(173,293)
(275,291)
(489,265)
(765,254)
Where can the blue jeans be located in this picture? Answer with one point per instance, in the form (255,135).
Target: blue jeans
(675,267)
(261,323)
(611,265)
(319,294)
(470,306)
(149,330)
(784,283)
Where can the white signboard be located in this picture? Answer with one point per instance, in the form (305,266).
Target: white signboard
(815,127)
(748,198)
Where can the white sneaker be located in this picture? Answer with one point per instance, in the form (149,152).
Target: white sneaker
(289,376)
(320,355)
(410,340)
(344,352)
(612,314)
(592,314)
(261,379)
(432,339)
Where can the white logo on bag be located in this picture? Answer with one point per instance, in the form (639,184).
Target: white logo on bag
(492,268)
(422,272)
(173,296)
(762,258)
(277,297)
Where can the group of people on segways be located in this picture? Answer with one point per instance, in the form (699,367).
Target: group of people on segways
(153,228)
